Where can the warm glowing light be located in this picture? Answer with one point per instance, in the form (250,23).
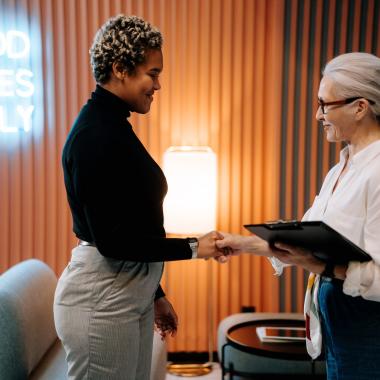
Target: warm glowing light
(190,205)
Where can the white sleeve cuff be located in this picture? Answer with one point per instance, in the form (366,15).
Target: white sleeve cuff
(278,265)
(351,285)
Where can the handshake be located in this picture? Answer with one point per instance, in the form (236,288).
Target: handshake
(221,246)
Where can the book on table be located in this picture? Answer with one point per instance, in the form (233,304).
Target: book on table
(281,334)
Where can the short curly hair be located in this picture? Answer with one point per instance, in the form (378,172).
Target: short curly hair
(125,40)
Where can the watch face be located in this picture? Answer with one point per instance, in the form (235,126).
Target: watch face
(193,242)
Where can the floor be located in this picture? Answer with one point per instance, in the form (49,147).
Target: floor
(216,374)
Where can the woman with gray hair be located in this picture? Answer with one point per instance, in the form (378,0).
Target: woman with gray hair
(342,302)
(109,296)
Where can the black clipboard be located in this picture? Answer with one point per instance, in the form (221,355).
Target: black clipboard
(316,236)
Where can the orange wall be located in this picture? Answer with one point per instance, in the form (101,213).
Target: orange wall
(222,86)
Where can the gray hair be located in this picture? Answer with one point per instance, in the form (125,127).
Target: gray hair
(356,74)
(125,40)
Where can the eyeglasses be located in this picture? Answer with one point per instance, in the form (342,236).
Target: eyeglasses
(323,104)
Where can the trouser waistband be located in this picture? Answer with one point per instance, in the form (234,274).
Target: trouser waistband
(86,243)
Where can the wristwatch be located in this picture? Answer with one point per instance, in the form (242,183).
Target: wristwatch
(193,243)
(329,270)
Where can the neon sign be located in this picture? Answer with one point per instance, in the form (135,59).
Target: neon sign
(16,82)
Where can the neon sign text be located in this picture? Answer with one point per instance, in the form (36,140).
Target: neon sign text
(16,85)
(14,44)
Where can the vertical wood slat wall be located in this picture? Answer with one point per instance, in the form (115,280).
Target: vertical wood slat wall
(232,71)
(222,73)
(315,31)
(243,130)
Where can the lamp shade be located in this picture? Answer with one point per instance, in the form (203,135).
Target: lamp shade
(190,205)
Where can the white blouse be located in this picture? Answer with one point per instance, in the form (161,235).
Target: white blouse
(353,209)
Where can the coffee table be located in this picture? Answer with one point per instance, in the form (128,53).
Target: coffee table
(244,337)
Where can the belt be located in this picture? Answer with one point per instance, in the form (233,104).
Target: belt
(86,243)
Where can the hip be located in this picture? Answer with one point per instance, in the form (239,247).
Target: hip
(347,313)
(92,280)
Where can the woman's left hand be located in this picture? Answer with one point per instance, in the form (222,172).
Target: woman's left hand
(289,254)
(165,318)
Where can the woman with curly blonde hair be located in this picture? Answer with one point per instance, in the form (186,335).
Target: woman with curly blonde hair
(109,297)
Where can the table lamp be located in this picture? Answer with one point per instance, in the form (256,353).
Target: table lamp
(190,209)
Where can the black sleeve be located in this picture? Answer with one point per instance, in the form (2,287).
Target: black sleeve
(106,183)
(159,293)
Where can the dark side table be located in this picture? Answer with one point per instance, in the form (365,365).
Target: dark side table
(243,337)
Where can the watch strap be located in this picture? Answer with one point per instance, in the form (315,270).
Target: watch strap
(329,270)
(193,243)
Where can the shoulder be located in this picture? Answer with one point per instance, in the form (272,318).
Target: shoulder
(90,137)
(98,126)
(369,168)
(372,174)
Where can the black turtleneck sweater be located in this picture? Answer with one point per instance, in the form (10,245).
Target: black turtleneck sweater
(114,187)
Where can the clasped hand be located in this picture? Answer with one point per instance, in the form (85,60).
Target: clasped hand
(285,253)
(208,247)
(222,245)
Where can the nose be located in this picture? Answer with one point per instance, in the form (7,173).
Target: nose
(156,85)
(319,115)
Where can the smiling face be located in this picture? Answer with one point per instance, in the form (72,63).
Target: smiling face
(137,89)
(339,120)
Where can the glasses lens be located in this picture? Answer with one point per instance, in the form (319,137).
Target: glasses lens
(322,105)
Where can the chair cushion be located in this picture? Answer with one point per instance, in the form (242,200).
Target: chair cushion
(53,365)
(26,317)
(159,360)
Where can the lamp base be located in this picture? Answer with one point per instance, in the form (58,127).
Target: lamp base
(189,370)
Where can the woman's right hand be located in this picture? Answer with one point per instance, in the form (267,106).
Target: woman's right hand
(249,244)
(207,246)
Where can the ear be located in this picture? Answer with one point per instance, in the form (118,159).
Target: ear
(118,71)
(361,109)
